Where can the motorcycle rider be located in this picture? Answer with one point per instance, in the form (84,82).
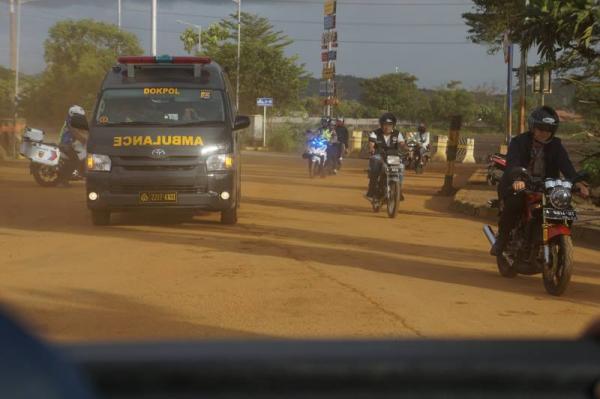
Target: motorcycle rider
(423,139)
(75,129)
(342,136)
(384,138)
(543,155)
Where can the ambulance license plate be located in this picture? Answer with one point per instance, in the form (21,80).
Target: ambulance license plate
(155,197)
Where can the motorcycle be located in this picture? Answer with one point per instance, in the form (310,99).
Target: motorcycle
(316,154)
(496,168)
(47,159)
(541,241)
(389,190)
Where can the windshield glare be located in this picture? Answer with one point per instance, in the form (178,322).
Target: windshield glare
(160,106)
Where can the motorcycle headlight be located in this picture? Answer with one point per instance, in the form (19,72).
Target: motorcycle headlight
(393,160)
(219,162)
(560,197)
(98,163)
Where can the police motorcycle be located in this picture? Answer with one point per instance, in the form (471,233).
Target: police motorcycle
(541,241)
(316,154)
(389,189)
(47,158)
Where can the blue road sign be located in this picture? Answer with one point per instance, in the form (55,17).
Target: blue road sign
(264,102)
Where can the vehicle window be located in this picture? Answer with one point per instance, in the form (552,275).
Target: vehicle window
(160,106)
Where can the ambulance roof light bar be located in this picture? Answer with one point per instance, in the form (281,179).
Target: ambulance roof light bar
(132,61)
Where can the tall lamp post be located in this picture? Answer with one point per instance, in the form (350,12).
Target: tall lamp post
(153,25)
(199,27)
(239,37)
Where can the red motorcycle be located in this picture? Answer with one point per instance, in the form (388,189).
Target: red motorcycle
(541,241)
(496,168)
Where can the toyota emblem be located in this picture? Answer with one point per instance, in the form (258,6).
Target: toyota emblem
(159,153)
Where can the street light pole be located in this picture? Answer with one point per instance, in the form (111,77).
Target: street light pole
(153,26)
(119,14)
(239,48)
(199,27)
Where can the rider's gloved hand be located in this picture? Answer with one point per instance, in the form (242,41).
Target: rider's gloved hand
(518,186)
(584,191)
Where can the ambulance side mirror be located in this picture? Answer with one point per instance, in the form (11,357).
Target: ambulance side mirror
(241,122)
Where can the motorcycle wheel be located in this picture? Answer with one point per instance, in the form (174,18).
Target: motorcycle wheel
(393,199)
(312,169)
(45,176)
(557,275)
(419,168)
(505,269)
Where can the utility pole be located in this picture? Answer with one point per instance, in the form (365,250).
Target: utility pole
(523,84)
(13,36)
(119,14)
(522,89)
(239,55)
(153,26)
(13,138)
(508,58)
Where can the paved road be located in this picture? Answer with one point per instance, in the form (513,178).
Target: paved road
(308,259)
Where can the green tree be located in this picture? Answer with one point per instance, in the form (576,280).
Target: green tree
(78,54)
(395,92)
(265,70)
(453,100)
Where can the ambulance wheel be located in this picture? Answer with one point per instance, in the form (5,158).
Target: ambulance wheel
(229,216)
(101,218)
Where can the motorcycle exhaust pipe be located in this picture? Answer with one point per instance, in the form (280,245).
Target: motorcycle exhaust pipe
(489,234)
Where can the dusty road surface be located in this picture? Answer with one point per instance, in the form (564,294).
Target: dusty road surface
(308,259)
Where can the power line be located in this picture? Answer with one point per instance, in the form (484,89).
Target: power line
(296,21)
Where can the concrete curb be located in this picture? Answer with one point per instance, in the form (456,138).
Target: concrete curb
(463,203)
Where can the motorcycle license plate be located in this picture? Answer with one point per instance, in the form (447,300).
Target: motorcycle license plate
(560,214)
(155,197)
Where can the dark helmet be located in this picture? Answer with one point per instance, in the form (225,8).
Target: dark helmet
(544,118)
(421,127)
(79,121)
(325,121)
(388,117)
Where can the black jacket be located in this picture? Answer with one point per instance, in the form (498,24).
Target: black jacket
(519,155)
(342,134)
(377,137)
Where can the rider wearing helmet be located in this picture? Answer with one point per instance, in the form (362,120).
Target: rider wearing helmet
(384,138)
(423,138)
(74,129)
(543,155)
(325,128)
(342,136)
(66,136)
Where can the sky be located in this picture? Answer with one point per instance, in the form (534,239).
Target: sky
(426,38)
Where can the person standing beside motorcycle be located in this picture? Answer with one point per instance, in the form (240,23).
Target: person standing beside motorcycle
(380,140)
(544,156)
(75,129)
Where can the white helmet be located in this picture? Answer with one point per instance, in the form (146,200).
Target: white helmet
(76,110)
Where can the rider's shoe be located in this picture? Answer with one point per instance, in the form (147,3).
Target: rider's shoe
(401,197)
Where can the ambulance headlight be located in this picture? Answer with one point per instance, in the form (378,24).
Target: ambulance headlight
(98,163)
(219,162)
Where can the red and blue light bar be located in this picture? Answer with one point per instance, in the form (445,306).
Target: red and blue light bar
(163,59)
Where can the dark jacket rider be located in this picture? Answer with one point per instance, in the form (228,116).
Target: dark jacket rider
(381,140)
(544,156)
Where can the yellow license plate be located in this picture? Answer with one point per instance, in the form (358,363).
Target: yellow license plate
(158,198)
